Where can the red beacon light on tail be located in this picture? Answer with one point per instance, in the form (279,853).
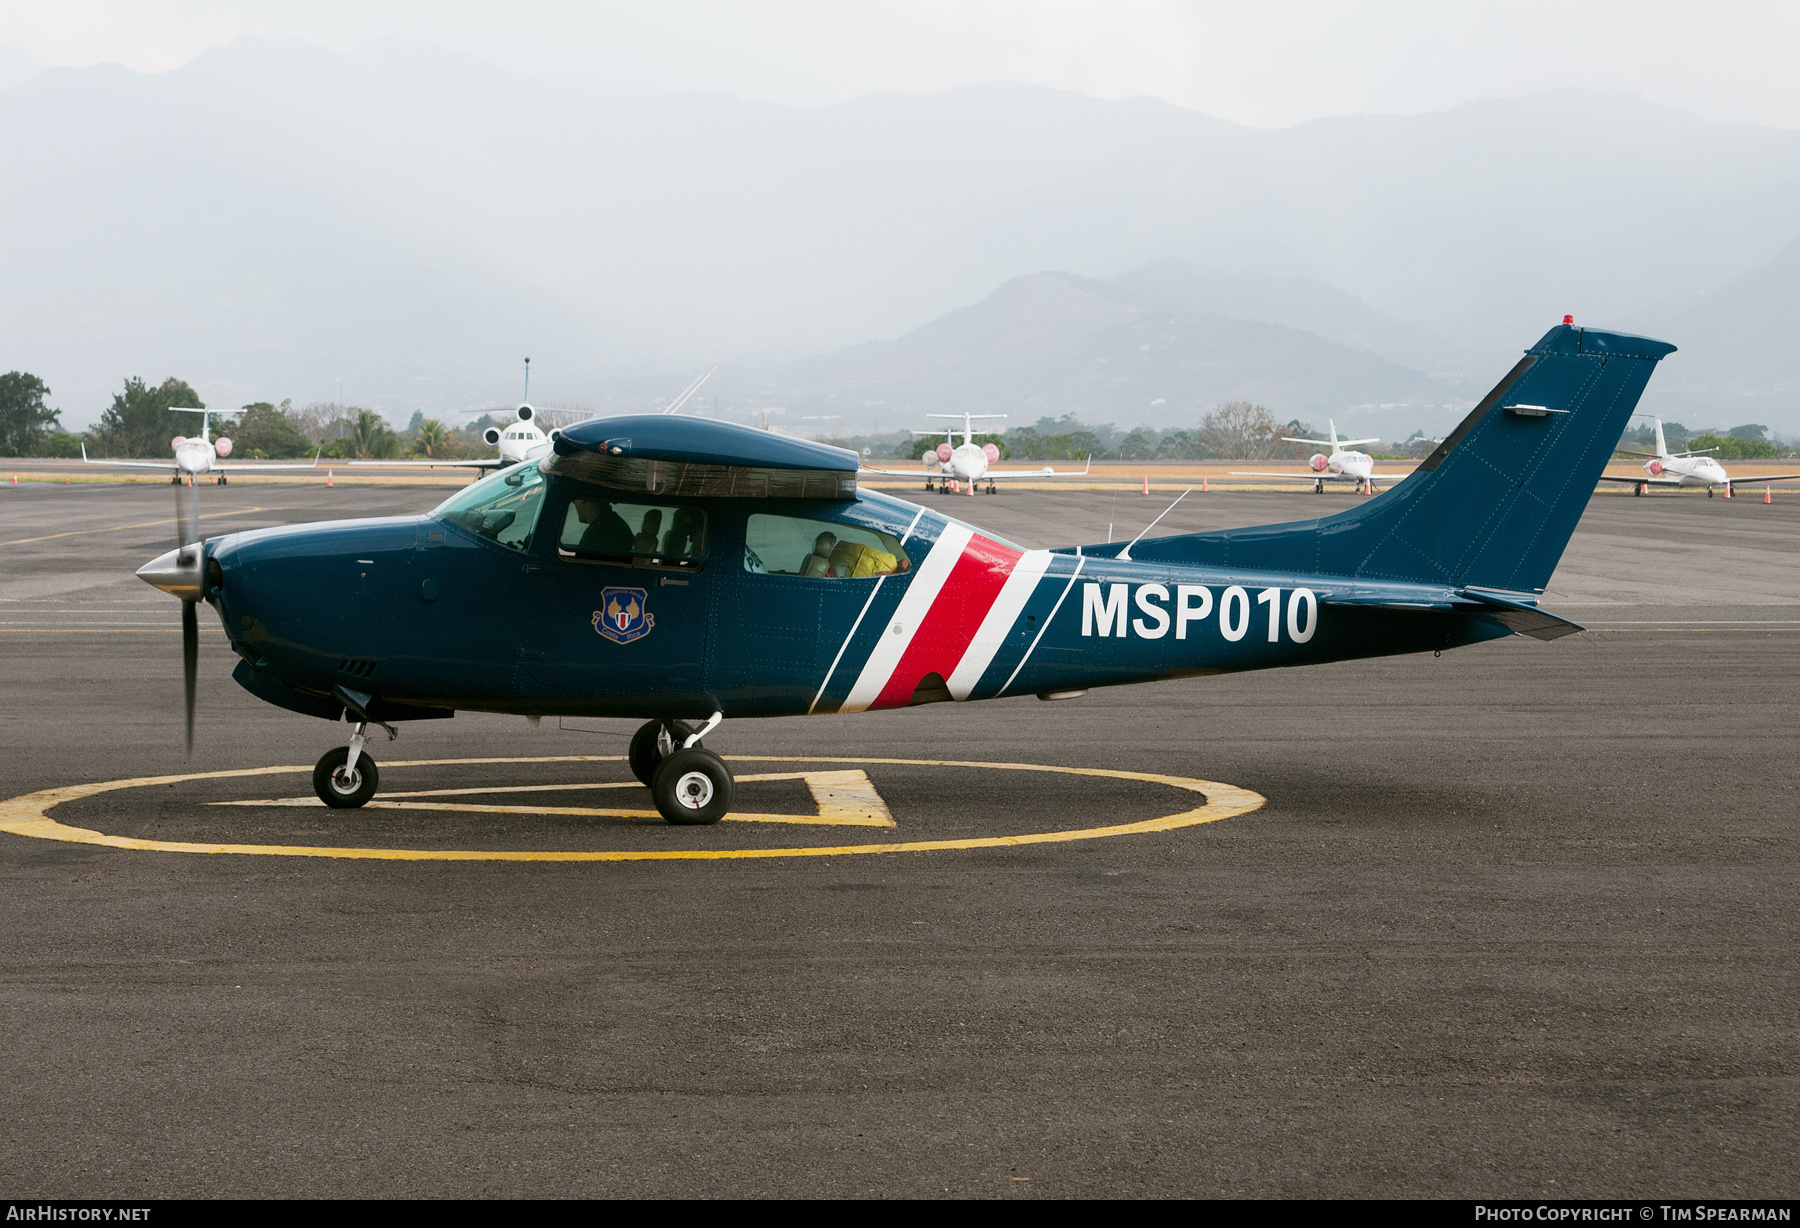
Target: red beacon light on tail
(1568,319)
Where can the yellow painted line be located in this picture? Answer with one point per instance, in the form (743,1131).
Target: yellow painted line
(143,524)
(28,815)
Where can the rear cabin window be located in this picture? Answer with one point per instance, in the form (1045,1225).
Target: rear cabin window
(790,546)
(653,534)
(502,508)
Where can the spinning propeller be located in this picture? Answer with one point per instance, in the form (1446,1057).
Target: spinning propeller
(180,573)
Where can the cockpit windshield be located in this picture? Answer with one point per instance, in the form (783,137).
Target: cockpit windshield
(502,508)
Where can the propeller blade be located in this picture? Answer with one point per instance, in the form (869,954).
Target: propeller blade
(190,663)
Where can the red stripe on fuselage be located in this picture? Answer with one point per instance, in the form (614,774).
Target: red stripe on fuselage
(938,645)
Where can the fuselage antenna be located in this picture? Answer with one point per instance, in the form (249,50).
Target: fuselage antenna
(1125,554)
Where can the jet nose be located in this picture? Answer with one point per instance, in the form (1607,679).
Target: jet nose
(177,573)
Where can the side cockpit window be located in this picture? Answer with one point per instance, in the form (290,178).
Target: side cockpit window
(648,534)
(503,508)
(790,546)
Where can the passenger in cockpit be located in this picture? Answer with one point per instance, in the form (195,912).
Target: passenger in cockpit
(645,541)
(606,532)
(686,538)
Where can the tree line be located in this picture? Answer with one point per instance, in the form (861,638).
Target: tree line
(141,421)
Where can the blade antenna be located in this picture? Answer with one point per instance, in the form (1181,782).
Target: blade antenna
(1125,554)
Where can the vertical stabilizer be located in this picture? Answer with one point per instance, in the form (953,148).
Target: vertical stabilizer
(1662,449)
(1495,504)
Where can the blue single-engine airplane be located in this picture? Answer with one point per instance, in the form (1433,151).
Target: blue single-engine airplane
(685,570)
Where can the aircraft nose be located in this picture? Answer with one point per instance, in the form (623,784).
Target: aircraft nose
(177,573)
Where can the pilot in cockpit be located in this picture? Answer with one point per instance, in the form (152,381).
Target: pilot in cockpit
(606,532)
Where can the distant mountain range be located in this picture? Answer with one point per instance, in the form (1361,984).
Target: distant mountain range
(1150,347)
(274,217)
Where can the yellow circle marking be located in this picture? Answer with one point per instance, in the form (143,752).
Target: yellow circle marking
(29,815)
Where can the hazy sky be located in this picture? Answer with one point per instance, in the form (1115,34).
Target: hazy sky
(1268,63)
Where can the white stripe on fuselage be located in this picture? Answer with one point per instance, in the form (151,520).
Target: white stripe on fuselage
(999,623)
(897,636)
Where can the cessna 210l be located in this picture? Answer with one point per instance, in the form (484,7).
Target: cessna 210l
(1665,468)
(680,569)
(197,454)
(1340,466)
(968,463)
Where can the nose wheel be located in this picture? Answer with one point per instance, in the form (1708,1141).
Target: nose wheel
(345,777)
(343,785)
(653,743)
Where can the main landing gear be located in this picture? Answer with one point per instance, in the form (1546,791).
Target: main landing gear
(691,785)
(345,778)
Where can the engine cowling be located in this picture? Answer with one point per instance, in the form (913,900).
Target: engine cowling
(944,452)
(526,413)
(222,446)
(175,443)
(491,436)
(1318,462)
(1656,468)
(991,452)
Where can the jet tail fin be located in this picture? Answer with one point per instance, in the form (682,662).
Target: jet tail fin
(1662,448)
(1495,504)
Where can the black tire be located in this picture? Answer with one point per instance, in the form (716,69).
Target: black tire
(693,788)
(340,794)
(645,755)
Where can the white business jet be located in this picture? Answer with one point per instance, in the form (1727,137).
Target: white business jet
(523,439)
(198,454)
(968,462)
(1678,469)
(1340,466)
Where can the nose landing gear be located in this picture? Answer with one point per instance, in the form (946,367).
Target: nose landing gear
(346,778)
(691,785)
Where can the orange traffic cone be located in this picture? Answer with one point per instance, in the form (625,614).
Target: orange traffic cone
(1767,497)
(15,479)
(1146,483)
(328,480)
(1728,490)
(1203,483)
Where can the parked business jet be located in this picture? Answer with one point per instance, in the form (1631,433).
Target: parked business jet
(1340,466)
(523,439)
(968,462)
(1678,469)
(198,454)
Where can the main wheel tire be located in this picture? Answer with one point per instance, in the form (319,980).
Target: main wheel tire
(645,754)
(342,792)
(693,788)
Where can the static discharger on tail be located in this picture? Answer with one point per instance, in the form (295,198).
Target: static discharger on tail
(1684,469)
(1340,465)
(682,571)
(965,466)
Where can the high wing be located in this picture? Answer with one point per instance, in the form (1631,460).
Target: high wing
(1607,477)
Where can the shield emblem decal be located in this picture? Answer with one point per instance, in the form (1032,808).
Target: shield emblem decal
(622,617)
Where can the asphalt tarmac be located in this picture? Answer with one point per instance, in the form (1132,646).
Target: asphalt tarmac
(1514,922)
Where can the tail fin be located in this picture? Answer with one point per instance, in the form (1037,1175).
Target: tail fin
(1662,449)
(1494,506)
